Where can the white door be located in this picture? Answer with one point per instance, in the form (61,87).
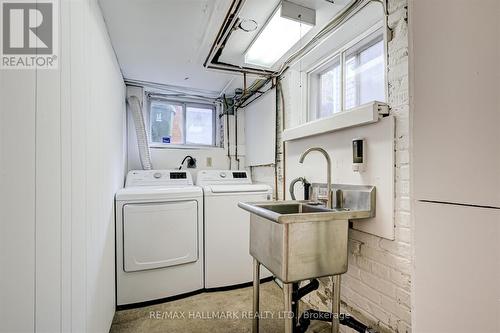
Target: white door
(457,269)
(157,235)
(227,235)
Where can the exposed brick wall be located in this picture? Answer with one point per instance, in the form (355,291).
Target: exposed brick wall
(376,288)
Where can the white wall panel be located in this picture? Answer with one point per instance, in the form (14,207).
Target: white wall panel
(260,130)
(62,154)
(455,77)
(457,269)
(105,164)
(79,103)
(98,162)
(17,200)
(48,202)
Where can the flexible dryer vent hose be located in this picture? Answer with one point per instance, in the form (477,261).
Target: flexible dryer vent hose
(140,130)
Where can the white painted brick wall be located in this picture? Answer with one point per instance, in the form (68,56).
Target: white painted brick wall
(376,288)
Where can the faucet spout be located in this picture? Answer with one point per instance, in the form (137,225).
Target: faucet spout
(328,170)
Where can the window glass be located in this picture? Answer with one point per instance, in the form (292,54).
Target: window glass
(330,91)
(372,80)
(199,125)
(166,123)
(364,71)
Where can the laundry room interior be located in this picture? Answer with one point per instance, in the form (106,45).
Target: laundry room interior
(250,166)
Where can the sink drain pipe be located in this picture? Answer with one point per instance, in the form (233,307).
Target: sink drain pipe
(297,294)
(301,325)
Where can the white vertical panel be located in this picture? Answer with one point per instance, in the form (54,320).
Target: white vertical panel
(48,201)
(97,163)
(17,200)
(66,166)
(104,168)
(79,105)
(457,269)
(455,82)
(260,130)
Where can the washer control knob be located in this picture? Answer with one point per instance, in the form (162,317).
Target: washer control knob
(157,175)
(222,175)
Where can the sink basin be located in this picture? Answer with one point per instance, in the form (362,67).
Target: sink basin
(296,240)
(285,207)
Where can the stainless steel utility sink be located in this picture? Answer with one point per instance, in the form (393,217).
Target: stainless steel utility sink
(298,241)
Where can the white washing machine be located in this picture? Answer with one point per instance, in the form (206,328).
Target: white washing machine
(227,227)
(159,236)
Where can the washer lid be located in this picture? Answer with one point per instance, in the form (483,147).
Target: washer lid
(158,193)
(247,188)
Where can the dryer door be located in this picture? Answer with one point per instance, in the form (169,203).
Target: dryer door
(157,235)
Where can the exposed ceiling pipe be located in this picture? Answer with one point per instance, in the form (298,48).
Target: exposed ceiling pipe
(238,69)
(173,89)
(231,21)
(167,97)
(231,16)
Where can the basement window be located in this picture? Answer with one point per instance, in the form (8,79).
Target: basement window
(174,123)
(364,73)
(326,85)
(353,76)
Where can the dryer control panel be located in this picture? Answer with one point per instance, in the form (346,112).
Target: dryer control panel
(165,178)
(211,177)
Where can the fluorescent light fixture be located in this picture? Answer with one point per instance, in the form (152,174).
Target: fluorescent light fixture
(287,25)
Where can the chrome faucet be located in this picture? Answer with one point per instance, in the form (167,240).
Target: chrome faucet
(328,171)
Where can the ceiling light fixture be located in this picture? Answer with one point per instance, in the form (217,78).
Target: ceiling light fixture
(286,26)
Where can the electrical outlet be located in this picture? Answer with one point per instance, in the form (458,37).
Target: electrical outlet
(209,162)
(191,163)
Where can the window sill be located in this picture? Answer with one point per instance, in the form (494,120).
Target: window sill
(362,115)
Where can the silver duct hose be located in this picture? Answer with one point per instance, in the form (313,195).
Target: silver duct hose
(140,130)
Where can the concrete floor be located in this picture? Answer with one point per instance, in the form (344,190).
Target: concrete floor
(214,312)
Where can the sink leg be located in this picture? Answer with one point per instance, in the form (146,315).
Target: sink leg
(256,286)
(336,304)
(287,293)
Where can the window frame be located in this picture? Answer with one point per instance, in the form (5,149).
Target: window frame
(365,40)
(185,104)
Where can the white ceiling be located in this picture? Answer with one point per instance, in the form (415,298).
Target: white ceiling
(166,41)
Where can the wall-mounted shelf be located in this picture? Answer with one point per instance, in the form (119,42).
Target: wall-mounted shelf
(362,115)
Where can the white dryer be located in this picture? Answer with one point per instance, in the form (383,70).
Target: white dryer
(159,236)
(227,227)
